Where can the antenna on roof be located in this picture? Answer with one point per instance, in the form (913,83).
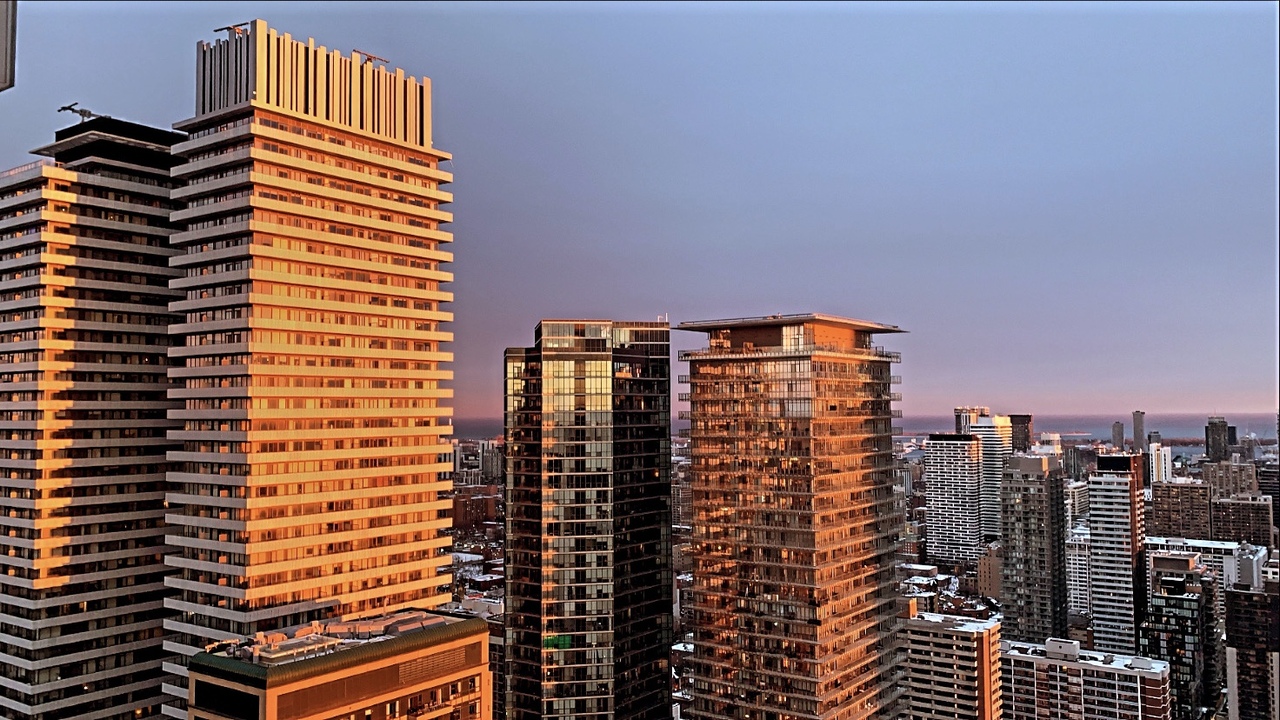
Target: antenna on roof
(238,29)
(371,56)
(84,113)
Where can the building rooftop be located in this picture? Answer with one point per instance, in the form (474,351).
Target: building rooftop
(957,622)
(295,654)
(1069,651)
(797,319)
(1224,545)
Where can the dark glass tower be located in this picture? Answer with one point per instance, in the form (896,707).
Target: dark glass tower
(589,598)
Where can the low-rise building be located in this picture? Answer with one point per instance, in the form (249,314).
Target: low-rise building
(1059,680)
(952,667)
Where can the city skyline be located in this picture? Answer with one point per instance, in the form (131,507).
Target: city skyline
(1130,150)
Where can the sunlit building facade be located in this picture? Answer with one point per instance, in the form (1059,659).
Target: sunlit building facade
(588,560)
(794,531)
(313,260)
(84,310)
(1117,564)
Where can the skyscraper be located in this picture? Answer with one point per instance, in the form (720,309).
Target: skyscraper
(967,416)
(1034,589)
(1117,436)
(953,469)
(1253,641)
(1022,432)
(1181,629)
(953,668)
(307,486)
(1159,463)
(1079,552)
(589,579)
(996,434)
(1118,565)
(794,525)
(85,294)
(1139,431)
(1218,439)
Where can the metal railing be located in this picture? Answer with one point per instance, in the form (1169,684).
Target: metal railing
(24,168)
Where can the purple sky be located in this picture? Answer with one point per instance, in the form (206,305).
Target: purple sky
(1071,208)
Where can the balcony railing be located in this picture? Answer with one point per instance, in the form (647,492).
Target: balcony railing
(776,351)
(29,166)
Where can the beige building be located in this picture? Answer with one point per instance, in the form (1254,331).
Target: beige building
(794,529)
(84,294)
(409,664)
(310,348)
(1059,680)
(1179,508)
(1230,477)
(952,668)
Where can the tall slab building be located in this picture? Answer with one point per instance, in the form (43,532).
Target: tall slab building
(1034,598)
(794,528)
(953,470)
(310,351)
(589,580)
(84,294)
(1118,566)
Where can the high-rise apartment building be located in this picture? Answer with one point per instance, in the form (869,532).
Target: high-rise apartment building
(967,416)
(996,435)
(1139,431)
(1242,518)
(1159,463)
(84,296)
(1253,641)
(952,668)
(1022,432)
(1117,436)
(794,525)
(1034,587)
(1231,476)
(1221,558)
(1079,555)
(1056,679)
(1179,508)
(1077,501)
(1182,630)
(1268,478)
(588,562)
(1218,439)
(1117,568)
(310,357)
(953,469)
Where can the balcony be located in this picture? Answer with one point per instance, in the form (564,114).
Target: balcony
(873,352)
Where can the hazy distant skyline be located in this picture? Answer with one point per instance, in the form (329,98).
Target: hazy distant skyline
(1071,208)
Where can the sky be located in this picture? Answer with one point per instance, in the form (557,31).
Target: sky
(1071,208)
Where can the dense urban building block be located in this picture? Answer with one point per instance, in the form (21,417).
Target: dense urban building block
(1179,508)
(1058,680)
(1253,641)
(952,668)
(1117,568)
(589,577)
(84,288)
(953,469)
(1181,629)
(1243,519)
(408,664)
(1034,588)
(1232,476)
(795,529)
(310,353)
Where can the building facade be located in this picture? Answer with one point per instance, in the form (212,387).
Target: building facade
(1243,518)
(407,664)
(310,358)
(1079,555)
(84,309)
(1218,439)
(1231,476)
(1117,568)
(1253,641)
(952,668)
(1179,508)
(1181,629)
(1139,431)
(1034,587)
(953,470)
(1056,679)
(1022,434)
(795,530)
(589,577)
(996,435)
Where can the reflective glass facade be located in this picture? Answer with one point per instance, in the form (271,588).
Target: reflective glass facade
(589,594)
(794,529)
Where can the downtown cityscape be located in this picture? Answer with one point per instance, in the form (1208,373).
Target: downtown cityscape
(242,481)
